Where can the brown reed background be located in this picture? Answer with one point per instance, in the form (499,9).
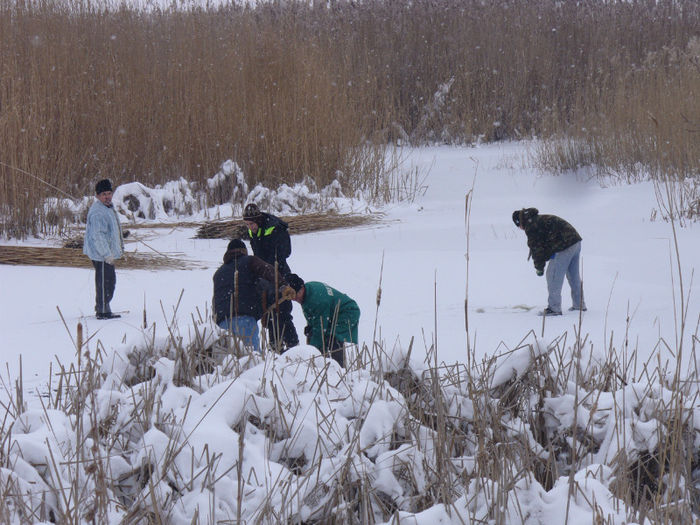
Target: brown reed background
(293,89)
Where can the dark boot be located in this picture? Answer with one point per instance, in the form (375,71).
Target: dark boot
(108,315)
(548,312)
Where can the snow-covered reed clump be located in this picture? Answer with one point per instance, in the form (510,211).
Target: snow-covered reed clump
(224,195)
(192,429)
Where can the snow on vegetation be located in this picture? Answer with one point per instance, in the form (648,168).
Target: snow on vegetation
(173,424)
(190,429)
(225,194)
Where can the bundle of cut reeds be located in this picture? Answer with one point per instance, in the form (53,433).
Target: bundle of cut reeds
(236,228)
(69,257)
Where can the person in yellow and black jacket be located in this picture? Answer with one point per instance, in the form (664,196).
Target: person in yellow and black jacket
(555,243)
(269,239)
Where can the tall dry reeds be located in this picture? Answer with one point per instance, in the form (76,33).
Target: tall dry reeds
(298,89)
(646,123)
(154,96)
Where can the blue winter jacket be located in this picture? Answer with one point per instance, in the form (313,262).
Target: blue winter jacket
(103,233)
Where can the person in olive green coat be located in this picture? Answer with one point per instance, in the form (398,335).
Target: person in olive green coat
(331,316)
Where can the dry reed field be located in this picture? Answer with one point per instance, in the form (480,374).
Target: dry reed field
(297,89)
(190,428)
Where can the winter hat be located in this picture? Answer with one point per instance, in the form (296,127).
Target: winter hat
(252,212)
(103,185)
(516,218)
(294,281)
(234,249)
(236,244)
(524,216)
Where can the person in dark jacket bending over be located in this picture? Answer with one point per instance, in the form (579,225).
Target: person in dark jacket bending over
(552,239)
(269,239)
(331,316)
(238,302)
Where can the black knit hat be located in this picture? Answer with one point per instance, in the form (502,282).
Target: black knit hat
(103,185)
(251,212)
(524,216)
(294,281)
(236,244)
(516,218)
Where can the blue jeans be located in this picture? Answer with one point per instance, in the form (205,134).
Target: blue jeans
(565,263)
(245,327)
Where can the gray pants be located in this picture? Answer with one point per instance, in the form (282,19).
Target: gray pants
(565,263)
(105,282)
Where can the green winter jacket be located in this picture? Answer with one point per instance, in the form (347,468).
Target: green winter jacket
(329,314)
(547,235)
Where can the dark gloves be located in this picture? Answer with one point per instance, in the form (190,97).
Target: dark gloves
(540,273)
(307,333)
(125,234)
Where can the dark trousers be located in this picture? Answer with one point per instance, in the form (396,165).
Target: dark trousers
(280,327)
(105,282)
(336,351)
(333,348)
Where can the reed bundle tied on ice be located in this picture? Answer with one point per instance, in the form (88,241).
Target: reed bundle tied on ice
(236,228)
(69,257)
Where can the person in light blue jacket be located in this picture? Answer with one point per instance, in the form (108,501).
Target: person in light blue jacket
(104,242)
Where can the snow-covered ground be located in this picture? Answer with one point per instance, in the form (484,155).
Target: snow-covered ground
(627,260)
(419,255)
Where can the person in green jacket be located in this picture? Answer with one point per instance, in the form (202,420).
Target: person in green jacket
(331,316)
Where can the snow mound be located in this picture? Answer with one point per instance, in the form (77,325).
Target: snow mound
(193,430)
